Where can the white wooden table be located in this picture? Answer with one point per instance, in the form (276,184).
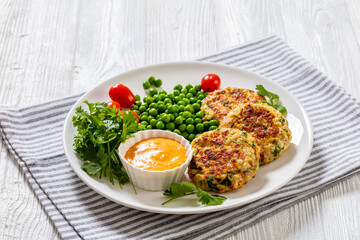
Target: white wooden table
(53,49)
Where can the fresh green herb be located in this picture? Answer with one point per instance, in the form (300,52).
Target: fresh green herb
(184,189)
(270,98)
(99,134)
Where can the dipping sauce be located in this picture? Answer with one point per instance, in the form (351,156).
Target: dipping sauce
(156,154)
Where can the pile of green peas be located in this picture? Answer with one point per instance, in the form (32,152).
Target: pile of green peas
(178,111)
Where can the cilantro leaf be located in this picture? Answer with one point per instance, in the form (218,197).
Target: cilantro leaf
(184,189)
(99,133)
(209,199)
(270,98)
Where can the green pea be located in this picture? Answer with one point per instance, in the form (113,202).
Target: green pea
(189,95)
(150,118)
(188,86)
(161,108)
(193,100)
(171,96)
(179,120)
(171,108)
(153,122)
(138,103)
(187,101)
(146,85)
(165,118)
(205,94)
(212,128)
(187,114)
(137,97)
(184,91)
(153,92)
(177,131)
(200,97)
(158,83)
(167,100)
(197,87)
(144,118)
(191,137)
(153,105)
(172,117)
(145,114)
(144,99)
(196,107)
(135,107)
(199,101)
(197,135)
(153,112)
(178,87)
(182,103)
(182,127)
(206,124)
(144,123)
(151,79)
(142,108)
(200,127)
(163,92)
(137,112)
(185,134)
(170,126)
(190,128)
(214,122)
(189,109)
(199,115)
(160,125)
(177,99)
(181,108)
(198,120)
(157,98)
(160,102)
(149,100)
(193,91)
(189,121)
(175,114)
(148,127)
(182,95)
(176,92)
(162,96)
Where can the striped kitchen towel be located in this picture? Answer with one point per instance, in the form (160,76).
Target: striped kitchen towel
(33,136)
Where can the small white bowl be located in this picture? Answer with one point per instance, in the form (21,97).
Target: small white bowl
(154,180)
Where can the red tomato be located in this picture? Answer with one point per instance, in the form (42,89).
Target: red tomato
(210,82)
(122,95)
(111,105)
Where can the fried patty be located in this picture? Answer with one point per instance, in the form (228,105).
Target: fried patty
(266,124)
(220,102)
(223,159)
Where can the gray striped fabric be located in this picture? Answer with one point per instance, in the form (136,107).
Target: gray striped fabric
(33,136)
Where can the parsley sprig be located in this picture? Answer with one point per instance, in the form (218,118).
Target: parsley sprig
(99,134)
(184,189)
(270,98)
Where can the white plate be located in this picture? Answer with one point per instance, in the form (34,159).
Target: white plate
(268,179)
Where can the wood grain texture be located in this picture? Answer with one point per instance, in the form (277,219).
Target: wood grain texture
(52,49)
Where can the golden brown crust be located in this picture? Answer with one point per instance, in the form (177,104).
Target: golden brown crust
(220,102)
(223,159)
(266,124)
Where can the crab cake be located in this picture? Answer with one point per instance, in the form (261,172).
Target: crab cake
(220,102)
(266,124)
(223,159)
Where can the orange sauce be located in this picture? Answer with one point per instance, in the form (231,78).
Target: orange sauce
(156,154)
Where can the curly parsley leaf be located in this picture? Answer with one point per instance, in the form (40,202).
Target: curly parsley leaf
(270,98)
(184,189)
(99,134)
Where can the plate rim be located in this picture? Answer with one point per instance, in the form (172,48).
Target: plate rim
(308,128)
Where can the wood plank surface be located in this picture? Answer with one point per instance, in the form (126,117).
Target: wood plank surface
(53,49)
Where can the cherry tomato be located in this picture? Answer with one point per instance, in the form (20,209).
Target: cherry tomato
(210,82)
(122,95)
(111,105)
